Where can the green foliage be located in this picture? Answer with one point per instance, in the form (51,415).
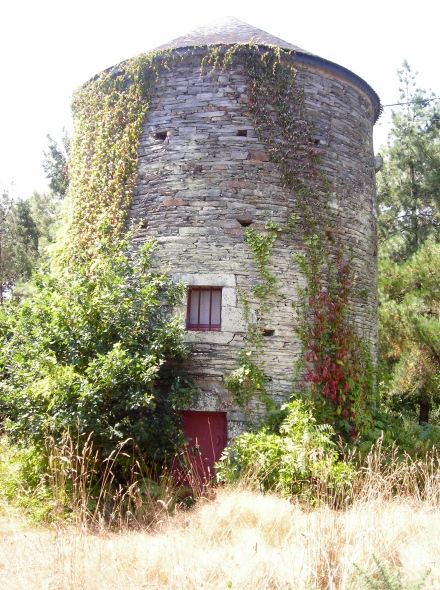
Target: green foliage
(19,242)
(248,382)
(409,262)
(47,214)
(301,460)
(261,245)
(108,113)
(387,578)
(276,100)
(8,270)
(23,471)
(410,331)
(87,352)
(409,183)
(26,235)
(55,165)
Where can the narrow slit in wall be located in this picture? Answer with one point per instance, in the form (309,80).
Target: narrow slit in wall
(162,135)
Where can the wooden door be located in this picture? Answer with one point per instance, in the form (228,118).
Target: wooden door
(207,436)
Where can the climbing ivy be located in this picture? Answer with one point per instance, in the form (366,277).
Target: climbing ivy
(108,112)
(248,381)
(335,370)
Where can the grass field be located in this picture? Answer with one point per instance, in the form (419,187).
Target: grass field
(239,539)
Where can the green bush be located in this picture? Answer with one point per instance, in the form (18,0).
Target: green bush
(302,460)
(89,352)
(23,480)
(398,431)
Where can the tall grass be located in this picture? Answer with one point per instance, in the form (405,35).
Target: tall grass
(385,534)
(71,483)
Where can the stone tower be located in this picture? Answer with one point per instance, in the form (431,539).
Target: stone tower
(204,176)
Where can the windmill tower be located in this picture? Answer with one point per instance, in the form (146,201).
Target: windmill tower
(205,175)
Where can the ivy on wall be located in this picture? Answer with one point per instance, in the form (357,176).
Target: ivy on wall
(108,113)
(248,381)
(335,370)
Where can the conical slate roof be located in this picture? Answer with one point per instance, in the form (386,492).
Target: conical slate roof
(229,31)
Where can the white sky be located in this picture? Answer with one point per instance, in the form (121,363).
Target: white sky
(50,47)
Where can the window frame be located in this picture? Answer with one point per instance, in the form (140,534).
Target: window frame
(198,327)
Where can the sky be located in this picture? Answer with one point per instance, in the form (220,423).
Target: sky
(49,48)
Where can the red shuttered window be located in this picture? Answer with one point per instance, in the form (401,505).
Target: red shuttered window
(204,308)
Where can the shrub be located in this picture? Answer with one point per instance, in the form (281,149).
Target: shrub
(87,353)
(301,460)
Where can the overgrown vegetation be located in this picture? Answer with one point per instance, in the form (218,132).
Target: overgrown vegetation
(301,461)
(87,352)
(409,264)
(385,537)
(108,112)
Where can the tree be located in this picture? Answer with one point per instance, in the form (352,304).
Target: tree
(409,184)
(26,235)
(25,229)
(55,165)
(409,228)
(88,351)
(46,211)
(410,332)
(8,270)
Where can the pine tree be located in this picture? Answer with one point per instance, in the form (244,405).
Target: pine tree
(409,184)
(409,232)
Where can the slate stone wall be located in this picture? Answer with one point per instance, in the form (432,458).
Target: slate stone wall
(203,173)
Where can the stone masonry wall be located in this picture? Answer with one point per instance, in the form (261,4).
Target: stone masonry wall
(203,173)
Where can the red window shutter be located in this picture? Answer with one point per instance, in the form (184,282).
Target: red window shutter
(204,308)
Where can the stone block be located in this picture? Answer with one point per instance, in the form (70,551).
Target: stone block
(260,156)
(173,202)
(205,279)
(232,320)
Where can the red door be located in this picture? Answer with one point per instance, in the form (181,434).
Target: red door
(207,436)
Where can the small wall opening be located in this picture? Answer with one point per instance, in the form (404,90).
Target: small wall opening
(242,133)
(161,135)
(143,224)
(245,222)
(268,332)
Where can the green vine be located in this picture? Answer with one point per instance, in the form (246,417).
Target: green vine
(261,245)
(108,113)
(335,371)
(248,381)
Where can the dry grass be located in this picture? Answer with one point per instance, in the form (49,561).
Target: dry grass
(238,540)
(234,538)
